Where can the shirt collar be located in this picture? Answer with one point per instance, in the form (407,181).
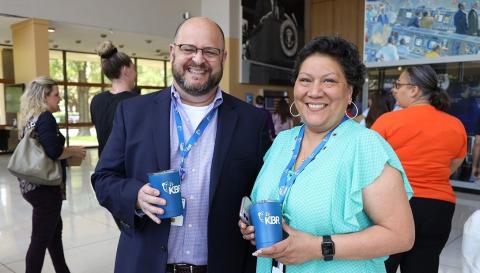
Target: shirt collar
(216,101)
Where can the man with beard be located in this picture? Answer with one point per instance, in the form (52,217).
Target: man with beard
(220,168)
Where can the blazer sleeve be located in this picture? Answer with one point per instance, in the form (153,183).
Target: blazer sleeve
(115,191)
(49,136)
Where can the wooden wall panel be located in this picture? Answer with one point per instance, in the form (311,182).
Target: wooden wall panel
(338,17)
(322,18)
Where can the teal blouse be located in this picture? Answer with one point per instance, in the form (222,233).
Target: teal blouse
(326,198)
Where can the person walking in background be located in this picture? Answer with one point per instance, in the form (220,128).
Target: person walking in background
(460,20)
(380,105)
(120,69)
(260,103)
(281,117)
(343,189)
(431,145)
(216,140)
(40,99)
(473,20)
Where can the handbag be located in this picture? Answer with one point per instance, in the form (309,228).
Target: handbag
(29,162)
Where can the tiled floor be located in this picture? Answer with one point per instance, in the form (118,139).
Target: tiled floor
(90,235)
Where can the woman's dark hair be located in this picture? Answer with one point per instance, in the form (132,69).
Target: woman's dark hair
(282,110)
(112,60)
(426,79)
(380,105)
(345,52)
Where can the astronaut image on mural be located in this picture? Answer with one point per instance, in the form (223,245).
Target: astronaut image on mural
(412,29)
(272,33)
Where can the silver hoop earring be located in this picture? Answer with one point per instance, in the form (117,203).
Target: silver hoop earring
(356,113)
(291,113)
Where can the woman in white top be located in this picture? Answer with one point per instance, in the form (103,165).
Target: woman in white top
(281,119)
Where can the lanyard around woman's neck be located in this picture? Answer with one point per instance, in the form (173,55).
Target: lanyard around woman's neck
(289,175)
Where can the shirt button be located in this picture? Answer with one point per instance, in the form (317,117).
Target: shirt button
(189,225)
(193,170)
(188,251)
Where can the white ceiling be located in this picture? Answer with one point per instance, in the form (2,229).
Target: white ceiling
(134,22)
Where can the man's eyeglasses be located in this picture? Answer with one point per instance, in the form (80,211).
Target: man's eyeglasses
(397,84)
(210,53)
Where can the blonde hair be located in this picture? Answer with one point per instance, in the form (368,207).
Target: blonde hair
(32,102)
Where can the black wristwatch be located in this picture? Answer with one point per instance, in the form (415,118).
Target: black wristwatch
(328,248)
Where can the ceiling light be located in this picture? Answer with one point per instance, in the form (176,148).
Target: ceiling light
(103,35)
(55,46)
(78,41)
(148,41)
(120,46)
(158,50)
(134,54)
(51,29)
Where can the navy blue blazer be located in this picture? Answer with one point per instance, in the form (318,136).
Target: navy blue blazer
(140,143)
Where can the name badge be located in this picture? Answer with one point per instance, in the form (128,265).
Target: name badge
(178,221)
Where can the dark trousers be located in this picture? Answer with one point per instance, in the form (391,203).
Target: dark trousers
(433,222)
(46,229)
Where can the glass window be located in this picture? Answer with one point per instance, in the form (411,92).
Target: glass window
(56,65)
(148,90)
(60,115)
(169,74)
(82,135)
(150,73)
(83,67)
(6,63)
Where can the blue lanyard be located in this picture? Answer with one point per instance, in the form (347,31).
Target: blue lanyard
(185,148)
(289,175)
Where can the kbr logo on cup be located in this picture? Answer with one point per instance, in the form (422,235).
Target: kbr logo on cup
(268,219)
(170,187)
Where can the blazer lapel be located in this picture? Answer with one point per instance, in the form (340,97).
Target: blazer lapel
(226,121)
(160,116)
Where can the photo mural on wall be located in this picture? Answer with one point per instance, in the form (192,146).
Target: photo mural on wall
(397,30)
(272,34)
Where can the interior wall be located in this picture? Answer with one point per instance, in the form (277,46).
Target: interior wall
(338,17)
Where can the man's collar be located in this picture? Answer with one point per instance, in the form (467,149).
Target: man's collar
(216,101)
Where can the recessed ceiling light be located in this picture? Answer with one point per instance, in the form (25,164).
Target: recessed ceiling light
(134,54)
(78,41)
(158,51)
(55,46)
(51,29)
(120,46)
(148,41)
(103,35)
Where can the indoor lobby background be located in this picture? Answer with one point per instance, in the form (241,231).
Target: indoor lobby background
(59,38)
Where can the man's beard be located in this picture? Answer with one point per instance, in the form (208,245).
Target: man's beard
(212,82)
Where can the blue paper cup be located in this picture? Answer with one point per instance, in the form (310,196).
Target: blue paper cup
(168,183)
(266,217)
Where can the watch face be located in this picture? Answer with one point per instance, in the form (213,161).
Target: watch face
(328,248)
